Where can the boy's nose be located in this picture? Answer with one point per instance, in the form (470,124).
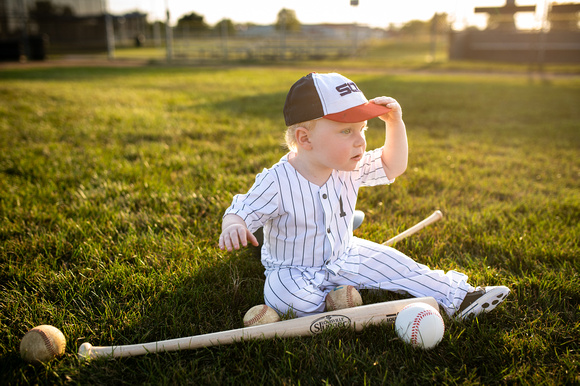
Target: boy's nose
(360,140)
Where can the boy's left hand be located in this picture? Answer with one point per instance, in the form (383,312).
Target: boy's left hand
(396,112)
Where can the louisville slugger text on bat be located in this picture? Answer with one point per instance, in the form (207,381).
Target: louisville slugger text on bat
(436,216)
(355,318)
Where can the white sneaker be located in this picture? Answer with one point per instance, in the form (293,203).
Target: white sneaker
(481,300)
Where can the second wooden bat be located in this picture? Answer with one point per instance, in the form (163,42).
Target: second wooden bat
(436,216)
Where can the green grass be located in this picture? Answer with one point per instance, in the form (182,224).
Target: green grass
(113,182)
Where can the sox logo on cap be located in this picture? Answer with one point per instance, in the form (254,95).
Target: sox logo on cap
(347,88)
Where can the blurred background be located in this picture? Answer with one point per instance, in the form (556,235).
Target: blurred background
(534,32)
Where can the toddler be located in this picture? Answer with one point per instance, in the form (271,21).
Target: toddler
(305,204)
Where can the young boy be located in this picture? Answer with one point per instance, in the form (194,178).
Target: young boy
(305,204)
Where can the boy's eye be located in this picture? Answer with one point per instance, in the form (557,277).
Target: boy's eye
(346,131)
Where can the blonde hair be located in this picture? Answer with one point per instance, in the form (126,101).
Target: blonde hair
(290,136)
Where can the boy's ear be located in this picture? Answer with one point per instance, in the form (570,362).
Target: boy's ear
(303,138)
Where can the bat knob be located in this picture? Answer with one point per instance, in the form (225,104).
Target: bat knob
(85,351)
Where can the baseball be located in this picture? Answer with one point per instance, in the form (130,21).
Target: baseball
(420,325)
(42,343)
(260,314)
(344,296)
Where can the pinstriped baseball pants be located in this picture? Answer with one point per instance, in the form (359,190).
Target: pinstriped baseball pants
(303,289)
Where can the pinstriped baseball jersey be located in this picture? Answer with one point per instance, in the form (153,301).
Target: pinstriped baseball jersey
(306,225)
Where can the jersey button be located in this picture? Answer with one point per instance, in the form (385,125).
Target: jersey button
(328,230)
(324,196)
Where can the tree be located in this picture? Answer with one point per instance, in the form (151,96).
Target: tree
(193,22)
(415,28)
(287,21)
(439,23)
(225,25)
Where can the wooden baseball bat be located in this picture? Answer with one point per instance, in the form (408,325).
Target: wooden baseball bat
(355,318)
(436,216)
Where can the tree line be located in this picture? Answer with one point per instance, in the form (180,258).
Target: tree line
(287,21)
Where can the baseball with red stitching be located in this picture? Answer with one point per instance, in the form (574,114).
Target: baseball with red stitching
(420,325)
(260,314)
(344,296)
(42,343)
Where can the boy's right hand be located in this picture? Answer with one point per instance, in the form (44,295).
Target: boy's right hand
(235,234)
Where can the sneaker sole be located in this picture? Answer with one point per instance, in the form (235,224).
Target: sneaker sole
(491,299)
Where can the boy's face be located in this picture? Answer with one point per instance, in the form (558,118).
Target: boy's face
(338,145)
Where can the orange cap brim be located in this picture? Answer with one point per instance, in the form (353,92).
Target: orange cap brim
(359,113)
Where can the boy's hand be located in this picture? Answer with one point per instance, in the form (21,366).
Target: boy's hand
(396,112)
(235,234)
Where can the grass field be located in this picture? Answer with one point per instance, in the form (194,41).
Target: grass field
(113,182)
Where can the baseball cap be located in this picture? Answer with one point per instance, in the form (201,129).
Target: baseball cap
(331,96)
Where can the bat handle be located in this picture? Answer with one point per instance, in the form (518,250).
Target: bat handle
(88,351)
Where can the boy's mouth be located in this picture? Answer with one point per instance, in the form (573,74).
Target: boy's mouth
(357,157)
